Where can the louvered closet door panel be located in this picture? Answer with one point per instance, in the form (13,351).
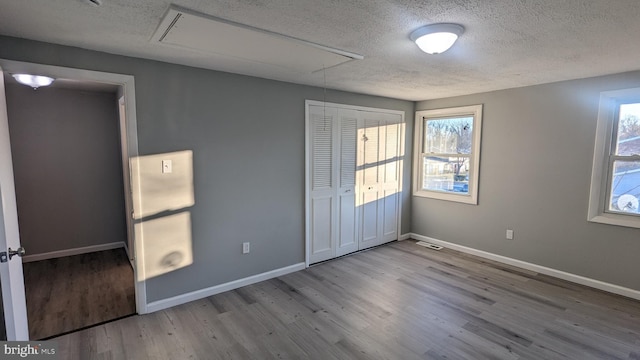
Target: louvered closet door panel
(390,185)
(321,152)
(347,216)
(379,190)
(348,150)
(389,212)
(370,152)
(391,153)
(321,227)
(369,163)
(323,170)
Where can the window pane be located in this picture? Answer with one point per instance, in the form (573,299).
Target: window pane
(448,136)
(628,139)
(625,187)
(446,174)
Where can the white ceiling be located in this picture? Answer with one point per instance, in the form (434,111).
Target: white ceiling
(507,43)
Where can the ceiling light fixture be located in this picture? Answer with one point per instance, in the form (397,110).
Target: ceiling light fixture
(436,38)
(35,81)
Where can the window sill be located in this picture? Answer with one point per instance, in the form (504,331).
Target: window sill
(464,199)
(618,220)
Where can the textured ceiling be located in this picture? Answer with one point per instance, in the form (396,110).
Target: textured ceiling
(507,43)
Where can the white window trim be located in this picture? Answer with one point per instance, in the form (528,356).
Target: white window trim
(474,173)
(599,174)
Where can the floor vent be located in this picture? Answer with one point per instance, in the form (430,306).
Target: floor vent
(428,245)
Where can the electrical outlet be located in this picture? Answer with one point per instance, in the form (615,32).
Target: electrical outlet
(167,167)
(246,247)
(509,234)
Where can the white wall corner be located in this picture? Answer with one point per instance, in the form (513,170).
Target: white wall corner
(596,284)
(404,236)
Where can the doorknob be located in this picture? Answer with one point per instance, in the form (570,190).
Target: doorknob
(19,251)
(3,255)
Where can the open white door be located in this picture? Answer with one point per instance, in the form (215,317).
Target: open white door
(15,307)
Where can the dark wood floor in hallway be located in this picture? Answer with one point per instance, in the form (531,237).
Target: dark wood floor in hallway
(73,292)
(398,301)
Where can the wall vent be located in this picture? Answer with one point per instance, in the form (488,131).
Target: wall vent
(429,245)
(215,36)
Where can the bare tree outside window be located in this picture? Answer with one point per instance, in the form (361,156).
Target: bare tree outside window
(448,145)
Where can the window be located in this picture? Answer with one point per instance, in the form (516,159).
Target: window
(447,153)
(615,178)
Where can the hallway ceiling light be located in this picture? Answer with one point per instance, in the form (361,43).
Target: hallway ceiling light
(436,38)
(35,81)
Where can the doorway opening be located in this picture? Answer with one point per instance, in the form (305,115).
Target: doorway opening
(71,146)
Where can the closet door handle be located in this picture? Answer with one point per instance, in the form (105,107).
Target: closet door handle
(19,251)
(6,256)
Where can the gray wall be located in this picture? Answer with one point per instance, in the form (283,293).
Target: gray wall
(237,126)
(535,168)
(66,159)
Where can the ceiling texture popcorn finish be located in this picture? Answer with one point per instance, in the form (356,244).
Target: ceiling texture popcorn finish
(507,43)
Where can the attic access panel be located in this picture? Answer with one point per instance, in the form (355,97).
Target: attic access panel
(211,35)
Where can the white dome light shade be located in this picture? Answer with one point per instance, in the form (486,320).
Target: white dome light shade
(436,43)
(35,81)
(436,38)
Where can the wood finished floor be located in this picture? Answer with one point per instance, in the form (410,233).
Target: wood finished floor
(399,301)
(73,292)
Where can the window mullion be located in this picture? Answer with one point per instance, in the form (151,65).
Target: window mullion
(624,157)
(446,155)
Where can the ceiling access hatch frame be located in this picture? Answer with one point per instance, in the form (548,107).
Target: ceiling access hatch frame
(210,35)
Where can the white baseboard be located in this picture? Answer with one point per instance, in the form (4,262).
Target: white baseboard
(404,236)
(601,285)
(70,252)
(199,294)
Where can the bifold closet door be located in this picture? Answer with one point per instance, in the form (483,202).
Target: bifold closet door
(333,214)
(378,177)
(347,237)
(322,189)
(389,177)
(352,180)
